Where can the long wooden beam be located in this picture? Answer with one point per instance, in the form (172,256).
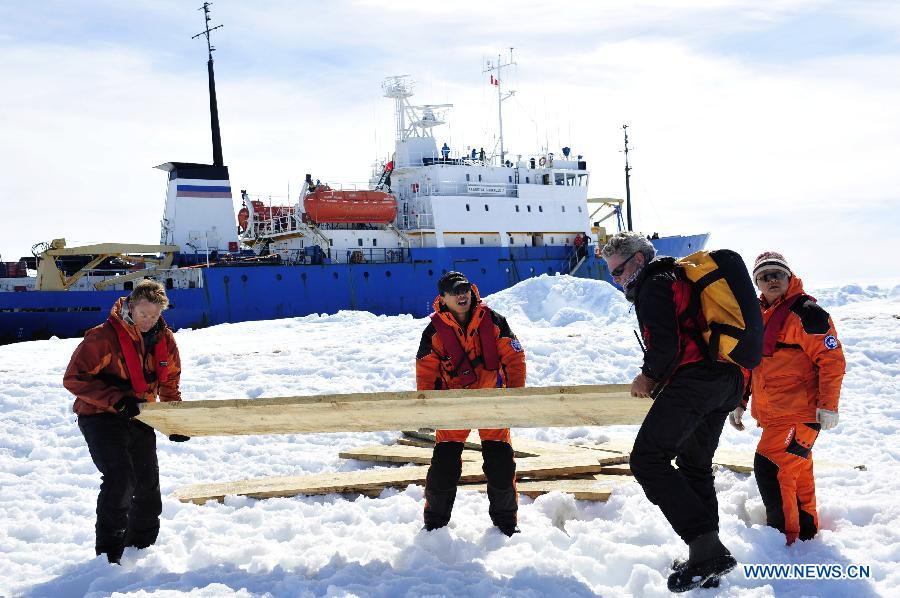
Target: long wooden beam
(373,481)
(560,406)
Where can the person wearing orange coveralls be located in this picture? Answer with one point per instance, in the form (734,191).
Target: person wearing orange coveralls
(131,358)
(795,392)
(468,345)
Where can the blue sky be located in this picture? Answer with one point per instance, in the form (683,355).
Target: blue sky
(772,125)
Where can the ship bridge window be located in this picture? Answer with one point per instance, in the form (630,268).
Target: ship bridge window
(559,179)
(374,242)
(563,208)
(486,208)
(540,208)
(467,177)
(510,178)
(529,208)
(359,241)
(517,208)
(479,178)
(467,208)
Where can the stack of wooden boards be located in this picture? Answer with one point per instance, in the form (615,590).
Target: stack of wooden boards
(586,472)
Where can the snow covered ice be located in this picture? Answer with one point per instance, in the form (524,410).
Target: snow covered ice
(574,331)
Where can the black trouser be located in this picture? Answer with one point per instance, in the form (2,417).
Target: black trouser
(129,502)
(684,423)
(443,476)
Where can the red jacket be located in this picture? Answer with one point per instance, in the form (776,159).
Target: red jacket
(433,367)
(806,368)
(97,374)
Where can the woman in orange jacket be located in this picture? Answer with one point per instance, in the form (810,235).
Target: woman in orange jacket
(131,358)
(795,391)
(468,345)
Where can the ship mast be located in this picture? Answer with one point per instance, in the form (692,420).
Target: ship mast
(497,81)
(627,181)
(213,106)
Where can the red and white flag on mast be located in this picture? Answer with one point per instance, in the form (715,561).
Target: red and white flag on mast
(494,81)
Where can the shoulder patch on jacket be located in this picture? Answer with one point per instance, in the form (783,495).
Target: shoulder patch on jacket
(812,316)
(501,323)
(425,344)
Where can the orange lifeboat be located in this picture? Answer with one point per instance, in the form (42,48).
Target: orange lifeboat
(356,207)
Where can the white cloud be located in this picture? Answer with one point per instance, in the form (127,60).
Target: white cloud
(723,142)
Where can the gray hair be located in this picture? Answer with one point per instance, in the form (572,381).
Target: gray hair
(628,243)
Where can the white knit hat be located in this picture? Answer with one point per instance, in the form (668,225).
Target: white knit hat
(770,260)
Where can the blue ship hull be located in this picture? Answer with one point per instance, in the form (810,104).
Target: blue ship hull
(241,293)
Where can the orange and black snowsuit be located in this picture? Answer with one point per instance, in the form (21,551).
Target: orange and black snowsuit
(436,371)
(801,370)
(124,450)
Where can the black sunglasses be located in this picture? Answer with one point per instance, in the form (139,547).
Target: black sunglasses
(773,275)
(621,267)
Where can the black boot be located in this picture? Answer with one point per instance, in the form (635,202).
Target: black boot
(708,558)
(680,564)
(509,530)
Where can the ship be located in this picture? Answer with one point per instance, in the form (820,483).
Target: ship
(379,247)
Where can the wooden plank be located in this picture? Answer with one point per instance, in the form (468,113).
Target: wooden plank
(525,447)
(372,481)
(398,453)
(596,405)
(598,488)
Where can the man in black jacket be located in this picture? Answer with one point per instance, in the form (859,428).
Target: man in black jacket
(692,398)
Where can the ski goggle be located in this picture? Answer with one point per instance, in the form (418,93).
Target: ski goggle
(771,275)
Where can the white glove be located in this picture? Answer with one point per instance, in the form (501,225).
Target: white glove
(827,419)
(734,418)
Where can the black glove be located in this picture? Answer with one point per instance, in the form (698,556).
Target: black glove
(128,406)
(179,438)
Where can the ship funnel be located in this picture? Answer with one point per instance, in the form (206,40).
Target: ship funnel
(199,215)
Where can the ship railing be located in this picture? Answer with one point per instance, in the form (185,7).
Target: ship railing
(372,255)
(415,221)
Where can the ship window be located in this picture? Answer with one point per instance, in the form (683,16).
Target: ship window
(511,242)
(388,273)
(331,242)
(365,274)
(540,208)
(529,208)
(462,240)
(243,278)
(278,277)
(374,242)
(552,240)
(564,208)
(467,177)
(486,208)
(579,209)
(517,208)
(481,242)
(359,241)
(510,178)
(479,178)
(467,208)
(528,179)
